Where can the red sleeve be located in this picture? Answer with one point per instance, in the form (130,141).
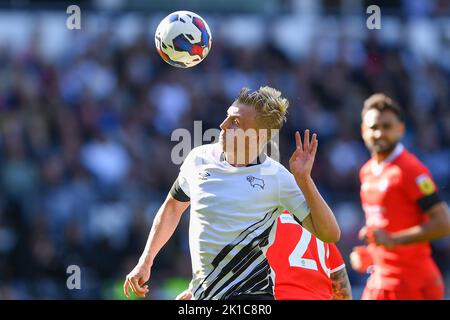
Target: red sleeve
(335,258)
(420,187)
(417,182)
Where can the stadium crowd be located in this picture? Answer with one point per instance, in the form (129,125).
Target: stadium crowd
(85,146)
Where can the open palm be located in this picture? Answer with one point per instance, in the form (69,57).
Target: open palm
(302,160)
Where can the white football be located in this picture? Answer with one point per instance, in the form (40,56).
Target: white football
(183,39)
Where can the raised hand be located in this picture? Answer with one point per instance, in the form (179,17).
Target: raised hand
(302,160)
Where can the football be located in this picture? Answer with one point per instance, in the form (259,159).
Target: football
(183,39)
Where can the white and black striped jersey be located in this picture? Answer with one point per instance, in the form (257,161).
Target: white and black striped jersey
(232,218)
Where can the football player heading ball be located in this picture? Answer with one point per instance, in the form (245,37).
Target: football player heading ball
(232,219)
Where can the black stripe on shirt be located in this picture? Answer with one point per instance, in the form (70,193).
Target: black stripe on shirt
(239,264)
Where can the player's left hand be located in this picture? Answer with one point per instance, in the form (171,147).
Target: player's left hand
(382,238)
(302,160)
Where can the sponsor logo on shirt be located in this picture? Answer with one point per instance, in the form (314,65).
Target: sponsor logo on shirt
(425,184)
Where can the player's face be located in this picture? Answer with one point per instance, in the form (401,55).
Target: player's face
(381,131)
(238,135)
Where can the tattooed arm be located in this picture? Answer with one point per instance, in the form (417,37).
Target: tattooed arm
(341,285)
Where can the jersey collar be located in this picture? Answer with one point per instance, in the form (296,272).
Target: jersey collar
(377,168)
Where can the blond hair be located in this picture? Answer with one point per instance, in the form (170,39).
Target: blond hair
(270,105)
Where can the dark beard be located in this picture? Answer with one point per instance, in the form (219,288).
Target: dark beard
(385,151)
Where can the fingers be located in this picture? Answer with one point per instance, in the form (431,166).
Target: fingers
(133,289)
(125,288)
(298,140)
(137,289)
(307,145)
(314,144)
(306,141)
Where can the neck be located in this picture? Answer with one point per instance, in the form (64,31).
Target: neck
(238,162)
(380,156)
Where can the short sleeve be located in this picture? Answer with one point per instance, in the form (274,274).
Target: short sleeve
(177,193)
(290,196)
(336,262)
(420,187)
(185,174)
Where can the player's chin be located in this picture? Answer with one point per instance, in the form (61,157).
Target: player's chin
(381,147)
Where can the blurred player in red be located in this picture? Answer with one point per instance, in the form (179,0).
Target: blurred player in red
(403,211)
(303,267)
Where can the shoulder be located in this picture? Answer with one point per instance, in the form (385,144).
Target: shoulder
(202,154)
(210,150)
(205,149)
(334,251)
(281,172)
(275,164)
(409,164)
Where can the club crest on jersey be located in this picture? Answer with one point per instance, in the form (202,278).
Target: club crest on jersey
(425,184)
(203,175)
(255,182)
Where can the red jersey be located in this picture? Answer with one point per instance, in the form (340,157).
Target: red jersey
(394,196)
(301,263)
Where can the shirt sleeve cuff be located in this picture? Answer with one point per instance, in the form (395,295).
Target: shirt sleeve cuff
(178,193)
(342,266)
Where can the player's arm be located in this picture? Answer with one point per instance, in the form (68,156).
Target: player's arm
(164,225)
(437,227)
(420,188)
(321,221)
(340,285)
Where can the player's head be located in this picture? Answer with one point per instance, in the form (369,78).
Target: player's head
(382,124)
(251,121)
